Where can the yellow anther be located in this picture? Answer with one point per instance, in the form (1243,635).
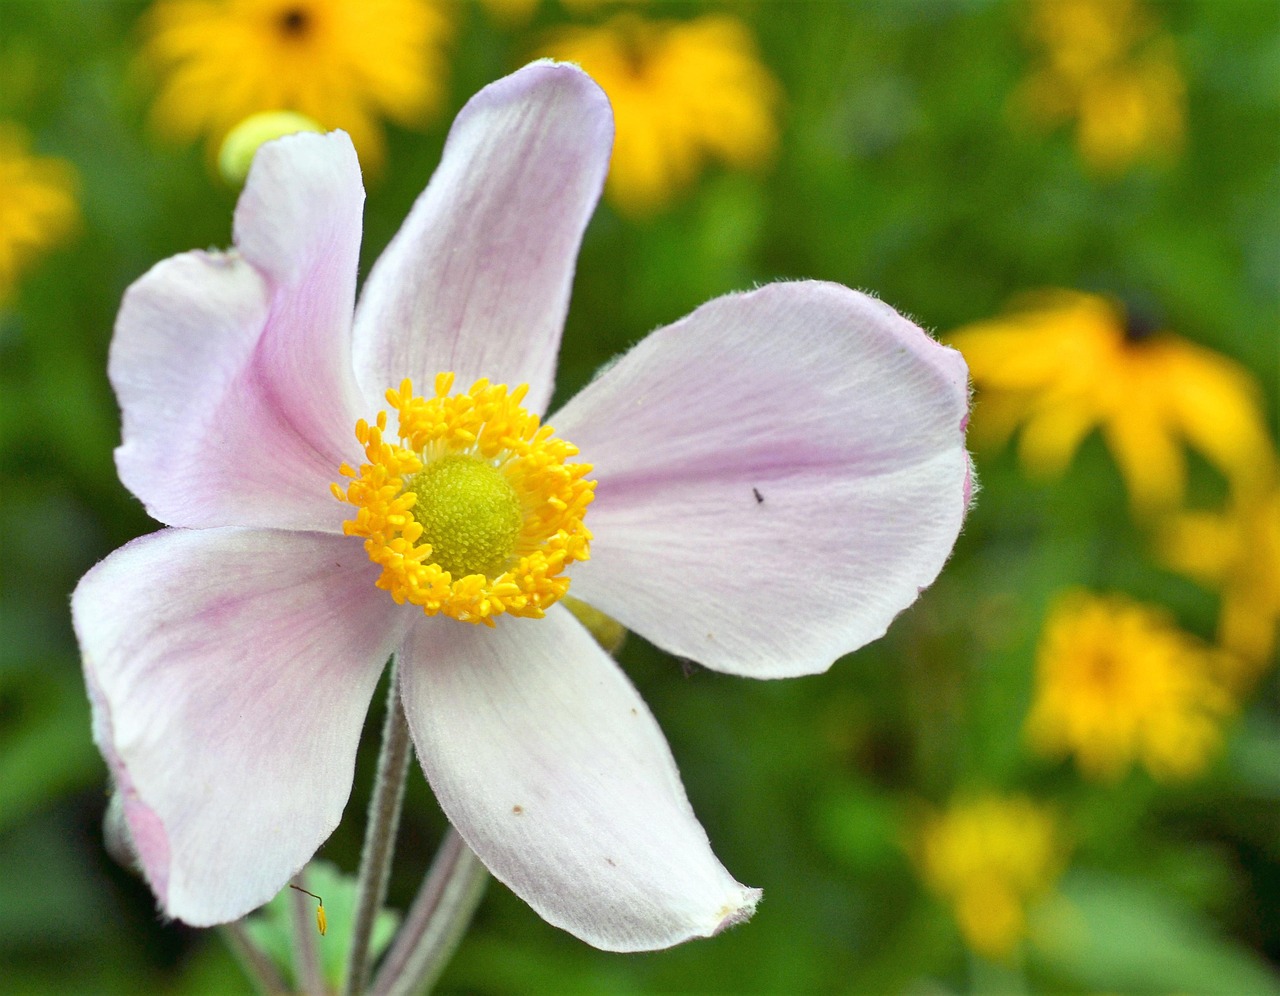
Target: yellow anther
(475,511)
(322,921)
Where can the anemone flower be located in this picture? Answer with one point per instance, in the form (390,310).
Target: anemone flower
(775,477)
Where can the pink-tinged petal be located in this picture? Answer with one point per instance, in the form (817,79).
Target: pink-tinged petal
(780,474)
(477,280)
(230,671)
(556,774)
(233,370)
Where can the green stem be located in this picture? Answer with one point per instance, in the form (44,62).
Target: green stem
(436,922)
(380,835)
(253,961)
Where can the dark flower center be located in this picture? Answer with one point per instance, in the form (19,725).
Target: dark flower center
(294,22)
(1140,323)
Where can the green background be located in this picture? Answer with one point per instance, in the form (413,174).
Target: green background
(898,171)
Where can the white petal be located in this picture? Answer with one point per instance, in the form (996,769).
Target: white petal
(230,672)
(233,370)
(477,281)
(556,774)
(780,474)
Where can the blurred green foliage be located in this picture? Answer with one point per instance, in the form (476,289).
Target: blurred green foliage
(898,171)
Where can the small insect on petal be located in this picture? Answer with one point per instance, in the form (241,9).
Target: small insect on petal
(322,922)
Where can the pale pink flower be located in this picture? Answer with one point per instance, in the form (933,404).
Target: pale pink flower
(231,657)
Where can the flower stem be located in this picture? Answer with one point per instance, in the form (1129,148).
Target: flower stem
(380,835)
(306,954)
(253,961)
(436,921)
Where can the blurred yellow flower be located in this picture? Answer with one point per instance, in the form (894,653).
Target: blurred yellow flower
(1063,363)
(989,858)
(1103,65)
(344,63)
(682,93)
(37,204)
(1238,553)
(1118,683)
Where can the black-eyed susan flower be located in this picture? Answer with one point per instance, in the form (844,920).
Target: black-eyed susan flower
(345,63)
(1236,552)
(684,92)
(1062,364)
(990,857)
(1105,67)
(37,205)
(768,482)
(1118,684)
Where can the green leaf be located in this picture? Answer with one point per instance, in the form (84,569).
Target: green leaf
(1112,933)
(271,928)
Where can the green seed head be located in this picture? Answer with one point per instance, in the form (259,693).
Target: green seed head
(469,513)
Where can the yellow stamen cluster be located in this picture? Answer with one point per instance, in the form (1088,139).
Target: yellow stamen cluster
(487,426)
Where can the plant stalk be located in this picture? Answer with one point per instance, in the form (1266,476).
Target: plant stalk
(380,835)
(436,922)
(262,972)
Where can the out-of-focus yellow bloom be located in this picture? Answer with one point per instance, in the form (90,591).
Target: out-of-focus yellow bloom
(989,857)
(1104,66)
(682,93)
(1063,363)
(37,204)
(1118,683)
(1238,553)
(343,63)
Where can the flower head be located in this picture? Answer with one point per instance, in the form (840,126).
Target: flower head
(1117,683)
(1238,553)
(230,657)
(37,205)
(344,63)
(989,857)
(683,92)
(1101,67)
(1063,364)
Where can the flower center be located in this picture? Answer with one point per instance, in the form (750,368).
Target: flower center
(470,514)
(475,511)
(294,22)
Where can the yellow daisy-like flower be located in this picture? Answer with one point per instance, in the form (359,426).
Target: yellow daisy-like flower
(344,63)
(989,858)
(1118,683)
(1238,553)
(1063,364)
(1104,66)
(37,205)
(682,93)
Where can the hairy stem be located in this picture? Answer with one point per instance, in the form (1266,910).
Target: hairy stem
(253,961)
(380,835)
(436,922)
